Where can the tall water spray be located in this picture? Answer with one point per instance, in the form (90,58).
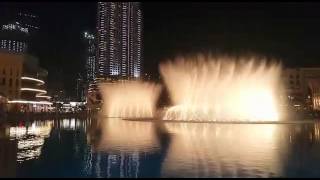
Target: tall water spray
(205,88)
(129,99)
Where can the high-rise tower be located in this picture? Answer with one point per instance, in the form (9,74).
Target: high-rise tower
(90,56)
(119,40)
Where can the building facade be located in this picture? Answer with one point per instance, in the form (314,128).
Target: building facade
(302,85)
(11,66)
(119,40)
(33,91)
(23,83)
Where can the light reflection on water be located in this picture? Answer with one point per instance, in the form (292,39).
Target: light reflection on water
(30,139)
(118,148)
(127,136)
(123,145)
(226,150)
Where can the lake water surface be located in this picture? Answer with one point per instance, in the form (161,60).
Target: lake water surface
(117,148)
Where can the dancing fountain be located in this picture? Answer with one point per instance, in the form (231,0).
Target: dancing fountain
(221,89)
(129,99)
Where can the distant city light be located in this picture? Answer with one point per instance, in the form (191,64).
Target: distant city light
(15,27)
(88,36)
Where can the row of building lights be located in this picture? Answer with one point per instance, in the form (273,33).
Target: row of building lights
(15,46)
(15,26)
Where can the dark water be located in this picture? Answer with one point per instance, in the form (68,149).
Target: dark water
(117,148)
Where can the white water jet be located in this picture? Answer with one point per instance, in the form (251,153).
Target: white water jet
(222,89)
(129,99)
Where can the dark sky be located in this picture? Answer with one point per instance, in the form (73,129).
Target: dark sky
(289,31)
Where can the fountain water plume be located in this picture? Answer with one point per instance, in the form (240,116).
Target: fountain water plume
(225,88)
(129,99)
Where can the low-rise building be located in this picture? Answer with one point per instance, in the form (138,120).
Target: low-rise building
(22,83)
(302,85)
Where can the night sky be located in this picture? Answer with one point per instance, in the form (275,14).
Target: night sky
(288,31)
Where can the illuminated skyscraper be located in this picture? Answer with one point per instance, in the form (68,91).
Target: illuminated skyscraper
(90,56)
(119,43)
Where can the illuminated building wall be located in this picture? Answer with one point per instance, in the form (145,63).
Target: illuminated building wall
(101,39)
(10,74)
(119,43)
(22,83)
(33,91)
(302,85)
